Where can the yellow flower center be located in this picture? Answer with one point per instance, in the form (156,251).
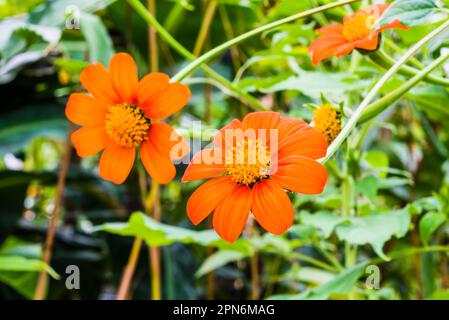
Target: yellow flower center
(126,125)
(328,121)
(358,27)
(248,162)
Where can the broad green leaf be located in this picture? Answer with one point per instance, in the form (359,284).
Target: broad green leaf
(97,37)
(322,220)
(218,260)
(340,284)
(409,12)
(14,7)
(21,273)
(310,83)
(159,234)
(368,185)
(53,13)
(377,159)
(17,263)
(432,100)
(429,224)
(18,128)
(375,229)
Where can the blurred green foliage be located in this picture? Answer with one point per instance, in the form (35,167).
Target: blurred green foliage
(397,163)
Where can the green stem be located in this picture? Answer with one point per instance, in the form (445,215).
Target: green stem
(380,105)
(347,208)
(395,47)
(223,47)
(313,261)
(410,252)
(164,34)
(382,59)
(352,122)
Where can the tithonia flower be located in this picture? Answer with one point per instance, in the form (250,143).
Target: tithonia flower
(121,115)
(327,120)
(252,164)
(357,31)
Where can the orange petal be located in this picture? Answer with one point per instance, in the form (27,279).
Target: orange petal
(96,80)
(123,73)
(207,197)
(396,24)
(205,164)
(264,124)
(220,136)
(150,88)
(375,9)
(325,46)
(330,29)
(89,140)
(116,163)
(300,174)
(85,110)
(157,152)
(347,48)
(169,102)
(168,141)
(232,213)
(297,138)
(272,207)
(261,120)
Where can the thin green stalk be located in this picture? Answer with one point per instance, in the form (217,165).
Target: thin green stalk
(313,261)
(223,47)
(390,43)
(205,27)
(410,252)
(380,105)
(164,34)
(382,59)
(352,122)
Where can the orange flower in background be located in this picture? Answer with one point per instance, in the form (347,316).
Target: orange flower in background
(121,114)
(250,173)
(357,31)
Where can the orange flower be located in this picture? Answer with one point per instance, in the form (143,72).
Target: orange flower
(253,161)
(122,114)
(355,32)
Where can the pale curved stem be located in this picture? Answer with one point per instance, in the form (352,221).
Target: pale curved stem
(228,44)
(352,122)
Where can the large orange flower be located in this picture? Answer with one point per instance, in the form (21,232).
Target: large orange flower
(253,161)
(357,31)
(121,114)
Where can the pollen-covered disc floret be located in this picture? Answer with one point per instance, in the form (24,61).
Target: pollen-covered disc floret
(358,27)
(328,121)
(248,162)
(126,125)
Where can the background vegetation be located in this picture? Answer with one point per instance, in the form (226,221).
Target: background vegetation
(386,203)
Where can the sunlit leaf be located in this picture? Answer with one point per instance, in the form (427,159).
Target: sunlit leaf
(429,224)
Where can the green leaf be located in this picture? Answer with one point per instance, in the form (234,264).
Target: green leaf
(322,220)
(97,37)
(17,263)
(375,229)
(158,234)
(340,284)
(21,273)
(408,12)
(218,260)
(378,160)
(310,83)
(18,128)
(429,224)
(368,185)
